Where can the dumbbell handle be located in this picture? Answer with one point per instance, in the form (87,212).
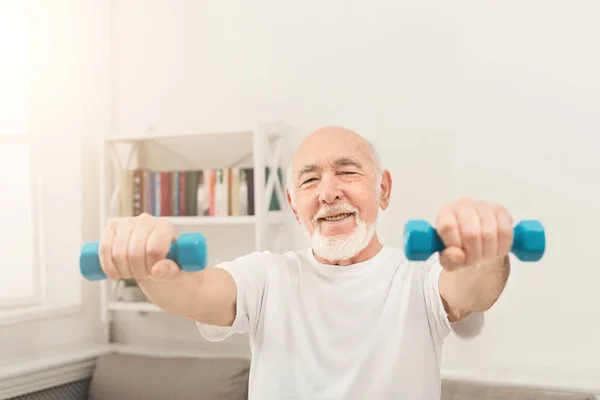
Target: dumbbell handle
(188,251)
(421,240)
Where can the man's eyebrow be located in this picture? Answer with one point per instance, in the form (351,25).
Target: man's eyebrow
(306,169)
(347,161)
(339,162)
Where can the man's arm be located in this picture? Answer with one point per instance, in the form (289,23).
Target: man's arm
(207,296)
(137,248)
(473,288)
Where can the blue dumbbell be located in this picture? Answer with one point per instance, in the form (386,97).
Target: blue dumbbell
(421,240)
(188,251)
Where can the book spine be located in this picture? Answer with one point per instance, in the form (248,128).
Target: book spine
(232,200)
(202,191)
(165,194)
(174,193)
(137,192)
(243,192)
(211,192)
(191,193)
(226,193)
(250,186)
(218,192)
(147,192)
(182,193)
(157,196)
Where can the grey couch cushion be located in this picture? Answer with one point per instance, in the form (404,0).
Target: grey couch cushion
(132,377)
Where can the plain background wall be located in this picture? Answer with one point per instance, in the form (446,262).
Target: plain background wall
(494,100)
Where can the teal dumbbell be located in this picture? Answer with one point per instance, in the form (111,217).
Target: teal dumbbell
(188,251)
(421,240)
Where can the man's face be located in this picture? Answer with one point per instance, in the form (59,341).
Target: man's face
(336,194)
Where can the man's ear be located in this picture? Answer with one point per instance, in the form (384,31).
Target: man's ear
(386,189)
(289,200)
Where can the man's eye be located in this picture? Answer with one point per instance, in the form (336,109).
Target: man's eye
(308,180)
(348,172)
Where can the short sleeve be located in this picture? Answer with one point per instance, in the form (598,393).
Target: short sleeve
(441,326)
(249,275)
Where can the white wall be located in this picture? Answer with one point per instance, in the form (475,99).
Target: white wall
(496,100)
(526,125)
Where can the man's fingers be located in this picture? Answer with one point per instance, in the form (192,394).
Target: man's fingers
(452,258)
(505,231)
(130,246)
(447,227)
(137,248)
(488,230)
(158,245)
(469,225)
(165,271)
(121,246)
(105,253)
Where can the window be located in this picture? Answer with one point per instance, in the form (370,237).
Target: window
(17,245)
(19,263)
(46,109)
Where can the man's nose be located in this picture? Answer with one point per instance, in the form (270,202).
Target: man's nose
(329,191)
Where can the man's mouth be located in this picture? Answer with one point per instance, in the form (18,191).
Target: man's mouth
(337,217)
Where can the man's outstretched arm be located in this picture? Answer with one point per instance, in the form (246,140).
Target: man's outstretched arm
(473,288)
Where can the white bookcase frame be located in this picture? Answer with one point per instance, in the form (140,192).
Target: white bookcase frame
(266,145)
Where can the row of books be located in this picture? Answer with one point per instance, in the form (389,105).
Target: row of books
(206,192)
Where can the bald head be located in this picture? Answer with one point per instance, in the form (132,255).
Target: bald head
(336,187)
(334,145)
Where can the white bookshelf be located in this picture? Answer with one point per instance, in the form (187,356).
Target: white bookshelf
(139,306)
(271,217)
(266,145)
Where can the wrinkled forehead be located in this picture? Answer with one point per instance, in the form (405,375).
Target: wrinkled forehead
(327,153)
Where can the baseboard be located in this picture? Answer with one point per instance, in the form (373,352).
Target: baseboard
(30,376)
(550,380)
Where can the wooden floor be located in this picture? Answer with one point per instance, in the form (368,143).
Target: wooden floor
(453,390)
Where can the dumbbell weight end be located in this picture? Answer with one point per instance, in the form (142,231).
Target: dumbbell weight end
(188,251)
(421,240)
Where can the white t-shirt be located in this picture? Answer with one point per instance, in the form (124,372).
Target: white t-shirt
(372,330)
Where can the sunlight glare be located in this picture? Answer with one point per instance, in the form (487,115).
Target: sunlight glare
(14,72)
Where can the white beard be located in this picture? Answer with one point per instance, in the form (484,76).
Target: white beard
(342,247)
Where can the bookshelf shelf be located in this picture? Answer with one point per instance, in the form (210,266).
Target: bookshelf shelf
(152,135)
(271,217)
(133,306)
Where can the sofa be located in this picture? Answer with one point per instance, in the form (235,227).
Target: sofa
(137,377)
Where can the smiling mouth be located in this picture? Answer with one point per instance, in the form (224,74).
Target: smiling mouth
(337,217)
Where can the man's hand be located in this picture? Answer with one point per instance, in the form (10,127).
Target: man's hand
(478,237)
(474,232)
(137,247)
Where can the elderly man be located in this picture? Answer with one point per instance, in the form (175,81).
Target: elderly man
(349,318)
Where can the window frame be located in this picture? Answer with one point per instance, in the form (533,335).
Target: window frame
(38,267)
(39,306)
